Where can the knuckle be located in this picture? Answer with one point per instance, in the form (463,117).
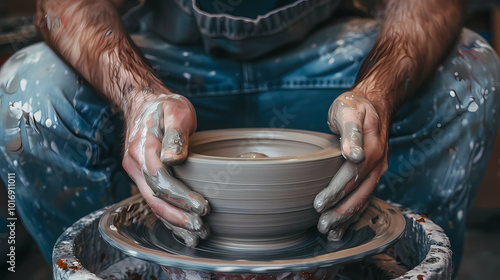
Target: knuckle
(334,108)
(181,98)
(184,101)
(127,164)
(132,156)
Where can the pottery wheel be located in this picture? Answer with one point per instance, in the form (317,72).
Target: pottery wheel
(132,228)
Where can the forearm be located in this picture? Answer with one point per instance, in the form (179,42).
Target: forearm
(89,34)
(413,39)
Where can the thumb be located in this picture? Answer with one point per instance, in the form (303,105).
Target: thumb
(352,142)
(347,122)
(174,146)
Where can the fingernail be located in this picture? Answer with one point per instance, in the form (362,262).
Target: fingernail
(172,142)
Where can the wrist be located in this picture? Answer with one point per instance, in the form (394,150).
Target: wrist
(382,103)
(135,97)
(384,100)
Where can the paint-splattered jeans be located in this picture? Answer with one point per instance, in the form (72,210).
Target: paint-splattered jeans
(63,140)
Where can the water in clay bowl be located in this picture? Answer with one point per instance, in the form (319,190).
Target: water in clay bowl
(260,183)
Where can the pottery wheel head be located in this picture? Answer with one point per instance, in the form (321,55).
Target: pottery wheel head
(378,228)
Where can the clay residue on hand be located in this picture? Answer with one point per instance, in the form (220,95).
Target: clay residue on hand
(172,143)
(191,238)
(336,224)
(173,191)
(334,192)
(352,139)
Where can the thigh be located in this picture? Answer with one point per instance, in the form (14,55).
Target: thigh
(442,138)
(62,141)
(443,135)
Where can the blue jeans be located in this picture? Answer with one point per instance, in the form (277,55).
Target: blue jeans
(63,140)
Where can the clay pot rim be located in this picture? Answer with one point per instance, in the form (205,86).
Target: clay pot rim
(328,142)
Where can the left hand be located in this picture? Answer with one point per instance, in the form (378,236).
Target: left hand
(158,125)
(363,130)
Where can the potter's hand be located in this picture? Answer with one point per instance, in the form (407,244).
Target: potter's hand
(157,131)
(364,143)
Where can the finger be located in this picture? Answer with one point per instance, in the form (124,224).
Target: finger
(347,121)
(161,120)
(161,208)
(357,199)
(339,111)
(336,190)
(191,238)
(352,142)
(164,185)
(330,219)
(336,233)
(351,208)
(168,188)
(335,222)
(332,122)
(179,122)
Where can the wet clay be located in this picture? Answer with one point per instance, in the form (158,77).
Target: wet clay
(334,192)
(353,136)
(190,238)
(151,123)
(170,189)
(344,125)
(172,142)
(265,194)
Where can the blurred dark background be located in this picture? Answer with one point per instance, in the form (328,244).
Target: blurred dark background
(482,250)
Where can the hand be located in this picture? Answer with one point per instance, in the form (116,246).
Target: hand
(363,132)
(157,133)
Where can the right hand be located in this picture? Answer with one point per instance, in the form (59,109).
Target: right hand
(363,130)
(158,125)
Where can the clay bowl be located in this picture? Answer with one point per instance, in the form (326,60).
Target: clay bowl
(260,183)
